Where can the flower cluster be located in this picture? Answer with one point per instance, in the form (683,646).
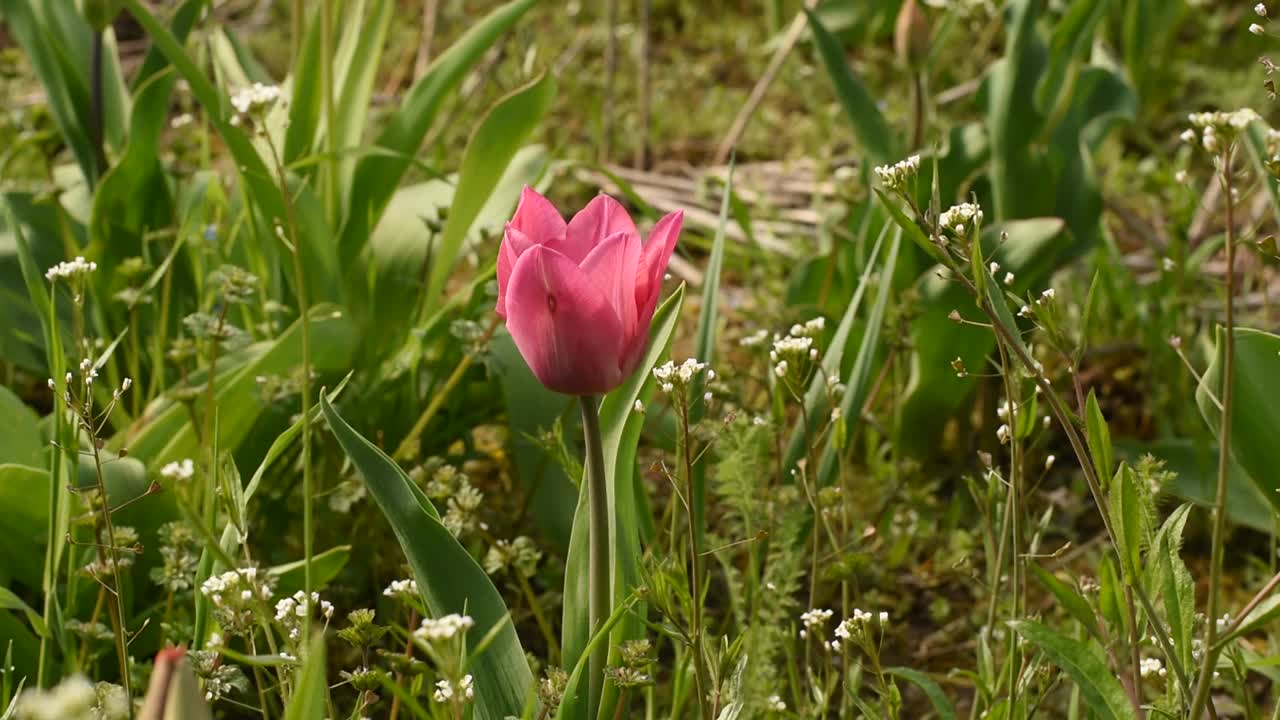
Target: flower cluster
(291,612)
(75,698)
(179,470)
(125,549)
(1218,129)
(519,554)
(961,219)
(671,377)
(220,678)
(460,497)
(897,176)
(443,628)
(854,629)
(814,619)
(402,589)
(72,269)
(446,690)
(255,98)
(1151,667)
(791,355)
(235,596)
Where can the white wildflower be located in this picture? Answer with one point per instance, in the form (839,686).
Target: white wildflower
(898,175)
(179,470)
(71,269)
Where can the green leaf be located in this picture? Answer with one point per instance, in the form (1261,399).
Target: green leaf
(489,151)
(9,601)
(933,691)
(868,124)
(376,176)
(20,443)
(1255,414)
(1196,468)
(24,493)
(1072,35)
(858,382)
(1099,687)
(449,579)
(165,433)
(1260,617)
(354,76)
(573,705)
(620,428)
(325,567)
(308,697)
(1127,521)
(1099,437)
(1067,597)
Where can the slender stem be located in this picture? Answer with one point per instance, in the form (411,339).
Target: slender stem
(304,316)
(116,609)
(408,448)
(553,647)
(1224,451)
(599,588)
(96,109)
(702,682)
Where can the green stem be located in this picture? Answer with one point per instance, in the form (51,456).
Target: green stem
(702,683)
(1224,452)
(598,547)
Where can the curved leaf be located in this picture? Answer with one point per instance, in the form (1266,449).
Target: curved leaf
(448,577)
(1099,687)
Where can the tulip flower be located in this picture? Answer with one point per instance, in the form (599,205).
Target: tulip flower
(578,298)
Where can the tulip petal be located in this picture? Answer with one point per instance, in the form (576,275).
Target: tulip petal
(649,271)
(514,244)
(602,217)
(612,266)
(563,324)
(537,218)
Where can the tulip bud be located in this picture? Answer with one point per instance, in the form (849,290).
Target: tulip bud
(100,13)
(174,692)
(911,34)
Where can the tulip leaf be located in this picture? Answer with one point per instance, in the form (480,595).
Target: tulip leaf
(1255,415)
(620,428)
(489,151)
(868,122)
(308,696)
(449,579)
(931,689)
(376,176)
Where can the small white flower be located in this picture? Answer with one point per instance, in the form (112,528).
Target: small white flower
(897,175)
(468,687)
(1260,10)
(1151,667)
(638,407)
(444,628)
(183,470)
(776,703)
(960,218)
(1256,29)
(71,269)
(1003,434)
(1048,295)
(1181,176)
(444,691)
(1048,462)
(1008,278)
(1188,136)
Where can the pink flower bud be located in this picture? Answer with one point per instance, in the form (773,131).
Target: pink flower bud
(578,298)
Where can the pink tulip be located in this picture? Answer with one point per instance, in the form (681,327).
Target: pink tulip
(578,298)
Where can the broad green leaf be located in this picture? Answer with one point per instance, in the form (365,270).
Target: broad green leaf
(1262,616)
(1067,597)
(24,493)
(1085,664)
(449,579)
(164,432)
(325,566)
(10,601)
(1127,521)
(1012,119)
(620,429)
(868,124)
(308,700)
(489,151)
(1099,438)
(1196,468)
(858,383)
(376,176)
(937,698)
(1072,35)
(1255,414)
(356,69)
(20,443)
